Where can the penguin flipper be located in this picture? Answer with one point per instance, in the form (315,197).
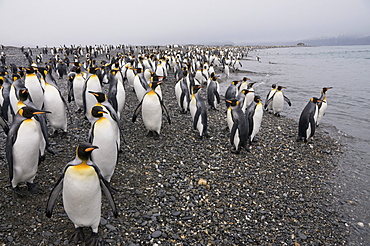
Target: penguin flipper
(10,140)
(54,195)
(136,112)
(164,110)
(288,101)
(4,125)
(196,118)
(106,189)
(233,131)
(217,96)
(268,101)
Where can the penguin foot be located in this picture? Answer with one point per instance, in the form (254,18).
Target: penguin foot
(17,190)
(94,240)
(33,189)
(155,135)
(235,151)
(77,235)
(150,134)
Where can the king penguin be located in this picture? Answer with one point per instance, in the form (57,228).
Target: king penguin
(231,92)
(103,133)
(23,149)
(277,101)
(55,103)
(76,83)
(34,86)
(182,93)
(151,107)
(198,112)
(254,114)
(322,105)
(213,93)
(89,100)
(81,184)
(307,120)
(116,92)
(268,107)
(239,129)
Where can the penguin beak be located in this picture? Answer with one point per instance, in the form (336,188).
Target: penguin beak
(228,101)
(91,148)
(41,112)
(94,93)
(102,112)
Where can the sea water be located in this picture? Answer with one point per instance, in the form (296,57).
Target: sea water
(304,71)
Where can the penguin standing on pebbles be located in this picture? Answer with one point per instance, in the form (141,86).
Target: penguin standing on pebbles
(23,146)
(231,92)
(254,113)
(82,184)
(268,107)
(198,112)
(239,127)
(103,133)
(322,105)
(213,93)
(152,107)
(307,120)
(278,101)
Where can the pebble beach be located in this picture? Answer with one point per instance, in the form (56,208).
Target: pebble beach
(182,190)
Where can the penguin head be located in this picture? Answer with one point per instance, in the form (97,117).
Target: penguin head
(214,78)
(23,94)
(28,112)
(97,111)
(235,82)
(273,86)
(325,89)
(139,70)
(279,88)
(245,79)
(83,151)
(245,91)
(100,96)
(30,70)
(1,82)
(257,99)
(196,88)
(315,100)
(93,70)
(233,102)
(251,84)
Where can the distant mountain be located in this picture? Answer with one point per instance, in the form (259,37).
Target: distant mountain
(340,40)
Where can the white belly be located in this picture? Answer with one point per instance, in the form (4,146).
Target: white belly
(278,102)
(35,90)
(26,152)
(78,85)
(105,137)
(152,113)
(82,197)
(54,103)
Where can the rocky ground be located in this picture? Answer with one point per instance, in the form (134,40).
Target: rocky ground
(181,190)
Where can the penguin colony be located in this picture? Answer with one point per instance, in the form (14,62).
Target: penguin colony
(32,104)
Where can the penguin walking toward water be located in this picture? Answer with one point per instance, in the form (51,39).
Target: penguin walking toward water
(239,129)
(152,107)
(23,145)
(231,92)
(81,184)
(268,106)
(277,100)
(213,93)
(254,114)
(103,133)
(198,112)
(322,105)
(308,119)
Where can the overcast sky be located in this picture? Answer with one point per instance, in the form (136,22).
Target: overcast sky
(161,22)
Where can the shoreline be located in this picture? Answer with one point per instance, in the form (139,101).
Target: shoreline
(278,193)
